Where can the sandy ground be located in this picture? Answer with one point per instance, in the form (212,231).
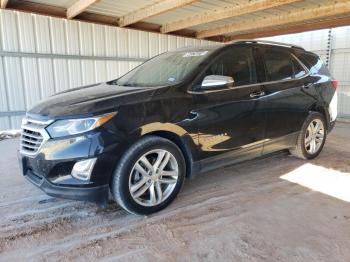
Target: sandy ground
(246,212)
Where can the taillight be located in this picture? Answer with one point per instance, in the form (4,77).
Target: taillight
(335,84)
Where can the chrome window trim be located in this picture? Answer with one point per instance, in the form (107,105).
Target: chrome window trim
(307,73)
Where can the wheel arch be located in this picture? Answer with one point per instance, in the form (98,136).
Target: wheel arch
(178,136)
(321,109)
(179,141)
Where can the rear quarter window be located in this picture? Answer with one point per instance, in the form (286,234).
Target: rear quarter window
(314,63)
(281,65)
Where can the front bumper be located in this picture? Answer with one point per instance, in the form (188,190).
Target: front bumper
(50,169)
(97,194)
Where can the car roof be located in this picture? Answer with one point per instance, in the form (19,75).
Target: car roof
(238,42)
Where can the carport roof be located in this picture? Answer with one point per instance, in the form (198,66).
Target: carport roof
(218,20)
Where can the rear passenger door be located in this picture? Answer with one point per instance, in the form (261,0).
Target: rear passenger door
(288,96)
(230,122)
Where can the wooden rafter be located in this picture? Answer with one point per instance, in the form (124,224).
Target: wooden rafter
(223,13)
(56,11)
(3,3)
(79,7)
(293,29)
(152,10)
(329,11)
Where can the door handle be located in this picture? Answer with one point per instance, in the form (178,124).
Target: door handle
(257,94)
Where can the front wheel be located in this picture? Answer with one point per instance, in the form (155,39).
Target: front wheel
(311,138)
(149,175)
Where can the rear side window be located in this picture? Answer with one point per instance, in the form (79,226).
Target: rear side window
(314,63)
(281,65)
(238,63)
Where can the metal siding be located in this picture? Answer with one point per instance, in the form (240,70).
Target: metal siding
(58,35)
(172,42)
(25,80)
(9,35)
(344,100)
(46,77)
(15,121)
(123,41)
(26,33)
(112,70)
(60,67)
(342,37)
(73,48)
(163,43)
(42,34)
(4,121)
(74,73)
(15,91)
(144,44)
(111,41)
(72,30)
(3,92)
(86,39)
(123,68)
(30,81)
(88,72)
(153,44)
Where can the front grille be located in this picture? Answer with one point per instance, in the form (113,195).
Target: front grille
(33,135)
(31,140)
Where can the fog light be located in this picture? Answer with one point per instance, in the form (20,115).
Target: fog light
(82,169)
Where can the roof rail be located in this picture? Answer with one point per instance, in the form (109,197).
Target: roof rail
(268,43)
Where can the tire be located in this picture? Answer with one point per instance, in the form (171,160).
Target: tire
(303,148)
(134,170)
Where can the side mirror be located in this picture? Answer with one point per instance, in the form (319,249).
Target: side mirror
(217,82)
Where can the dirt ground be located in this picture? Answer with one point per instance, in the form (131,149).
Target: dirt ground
(272,209)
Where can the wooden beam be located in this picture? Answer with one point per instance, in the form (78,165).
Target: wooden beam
(3,3)
(329,11)
(223,13)
(44,9)
(293,29)
(152,10)
(78,7)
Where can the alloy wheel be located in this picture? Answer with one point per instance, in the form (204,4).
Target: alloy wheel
(314,136)
(153,177)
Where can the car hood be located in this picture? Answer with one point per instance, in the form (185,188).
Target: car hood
(92,100)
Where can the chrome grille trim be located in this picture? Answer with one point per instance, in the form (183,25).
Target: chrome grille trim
(33,136)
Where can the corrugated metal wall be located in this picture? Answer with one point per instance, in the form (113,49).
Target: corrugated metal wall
(339,51)
(42,55)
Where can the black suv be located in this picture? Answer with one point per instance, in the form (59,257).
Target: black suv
(178,114)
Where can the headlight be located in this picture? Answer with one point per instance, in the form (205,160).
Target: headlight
(69,127)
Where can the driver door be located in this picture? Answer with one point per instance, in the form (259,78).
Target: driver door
(231,122)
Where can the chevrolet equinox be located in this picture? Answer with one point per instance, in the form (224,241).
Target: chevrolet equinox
(178,114)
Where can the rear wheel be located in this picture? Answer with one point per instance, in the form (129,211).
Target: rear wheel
(311,138)
(149,175)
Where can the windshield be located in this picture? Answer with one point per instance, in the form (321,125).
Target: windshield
(166,69)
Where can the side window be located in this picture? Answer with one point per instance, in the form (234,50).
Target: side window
(314,63)
(281,65)
(238,63)
(299,71)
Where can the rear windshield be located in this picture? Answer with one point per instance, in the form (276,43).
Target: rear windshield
(166,69)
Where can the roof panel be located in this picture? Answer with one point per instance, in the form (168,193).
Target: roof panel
(123,7)
(60,3)
(120,7)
